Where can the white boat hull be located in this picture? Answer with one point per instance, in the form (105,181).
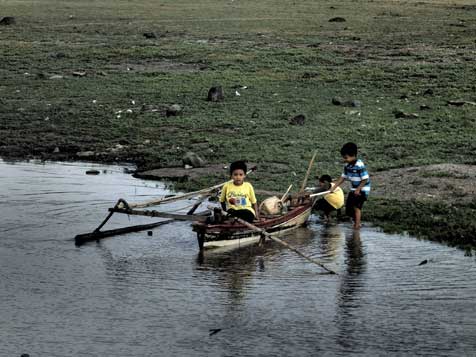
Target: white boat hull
(279,230)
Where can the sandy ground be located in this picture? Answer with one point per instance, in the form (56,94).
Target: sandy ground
(449,183)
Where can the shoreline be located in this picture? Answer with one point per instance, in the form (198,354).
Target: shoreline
(435,220)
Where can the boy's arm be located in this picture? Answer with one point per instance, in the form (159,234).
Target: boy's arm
(339,182)
(223,198)
(361,185)
(254,201)
(364,175)
(223,206)
(256,208)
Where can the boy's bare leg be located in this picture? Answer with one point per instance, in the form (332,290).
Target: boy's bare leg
(357,216)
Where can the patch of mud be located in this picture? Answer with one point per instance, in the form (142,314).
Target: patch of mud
(451,183)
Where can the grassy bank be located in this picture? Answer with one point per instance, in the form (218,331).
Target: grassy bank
(389,55)
(439,221)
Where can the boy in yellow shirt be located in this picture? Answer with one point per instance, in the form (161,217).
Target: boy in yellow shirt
(237,196)
(332,201)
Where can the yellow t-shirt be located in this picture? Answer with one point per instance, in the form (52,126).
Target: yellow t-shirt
(238,197)
(336,198)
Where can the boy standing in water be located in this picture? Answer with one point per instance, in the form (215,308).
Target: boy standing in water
(237,196)
(356,172)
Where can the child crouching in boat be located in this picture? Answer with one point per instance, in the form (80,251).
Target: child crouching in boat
(237,196)
(330,202)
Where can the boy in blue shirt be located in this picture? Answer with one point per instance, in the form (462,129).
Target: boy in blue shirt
(356,172)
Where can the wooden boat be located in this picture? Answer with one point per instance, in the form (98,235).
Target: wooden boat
(231,234)
(212,231)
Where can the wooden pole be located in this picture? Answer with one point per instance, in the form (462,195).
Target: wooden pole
(286,194)
(153,213)
(304,182)
(96,235)
(196,205)
(284,244)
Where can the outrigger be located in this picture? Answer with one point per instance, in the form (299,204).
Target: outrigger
(214,229)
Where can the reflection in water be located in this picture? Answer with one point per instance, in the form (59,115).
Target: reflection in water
(232,270)
(351,283)
(330,242)
(151,295)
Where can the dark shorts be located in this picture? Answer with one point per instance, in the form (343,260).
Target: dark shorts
(353,202)
(244,214)
(323,205)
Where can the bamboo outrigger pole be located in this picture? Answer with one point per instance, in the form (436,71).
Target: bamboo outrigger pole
(183,196)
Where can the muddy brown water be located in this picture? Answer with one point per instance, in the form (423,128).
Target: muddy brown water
(140,295)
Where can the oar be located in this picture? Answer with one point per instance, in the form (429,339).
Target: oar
(308,172)
(284,244)
(181,197)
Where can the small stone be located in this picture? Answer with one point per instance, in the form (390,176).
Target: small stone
(429,91)
(173,110)
(92,172)
(404,96)
(309,75)
(150,233)
(56,150)
(187,167)
(85,154)
(147,142)
(149,35)
(402,114)
(8,20)
(215,94)
(192,159)
(79,74)
(337,19)
(298,120)
(337,101)
(56,76)
(255,115)
(355,103)
(459,103)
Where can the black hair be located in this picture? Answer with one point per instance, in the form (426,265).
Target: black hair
(349,149)
(238,165)
(325,178)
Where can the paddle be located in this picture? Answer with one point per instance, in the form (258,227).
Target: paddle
(279,241)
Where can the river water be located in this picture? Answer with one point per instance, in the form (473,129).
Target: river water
(140,295)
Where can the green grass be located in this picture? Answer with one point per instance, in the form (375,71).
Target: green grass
(385,49)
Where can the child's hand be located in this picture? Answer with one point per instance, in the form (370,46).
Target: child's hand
(357,192)
(232,201)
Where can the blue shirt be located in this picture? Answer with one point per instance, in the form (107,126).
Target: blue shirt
(356,173)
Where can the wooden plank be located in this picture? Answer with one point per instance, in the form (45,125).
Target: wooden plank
(179,217)
(97,235)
